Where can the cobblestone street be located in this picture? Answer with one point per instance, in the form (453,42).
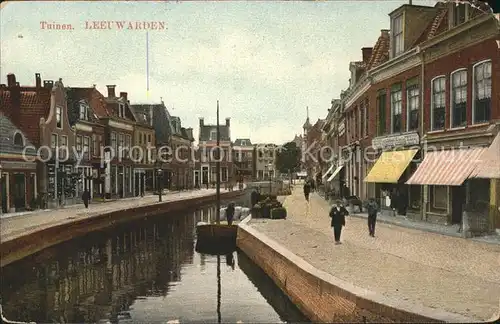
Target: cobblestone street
(13,226)
(453,274)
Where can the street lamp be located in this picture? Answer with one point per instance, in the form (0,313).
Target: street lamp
(159,173)
(269,169)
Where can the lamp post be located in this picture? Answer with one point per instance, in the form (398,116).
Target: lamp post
(270,168)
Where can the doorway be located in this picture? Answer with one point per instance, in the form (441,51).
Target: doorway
(457,203)
(204,172)
(136,183)
(196,179)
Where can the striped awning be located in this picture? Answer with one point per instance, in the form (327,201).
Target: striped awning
(334,174)
(446,168)
(489,168)
(329,170)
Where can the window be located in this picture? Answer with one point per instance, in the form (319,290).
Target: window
(144,138)
(413,100)
(121,110)
(438,103)
(213,135)
(113,141)
(59,117)
(459,98)
(86,147)
(439,197)
(84,111)
(120,141)
(18,140)
(223,174)
(366,117)
(64,143)
(79,143)
(149,138)
(128,141)
(381,104)
(481,111)
(53,141)
(396,109)
(95,145)
(397,35)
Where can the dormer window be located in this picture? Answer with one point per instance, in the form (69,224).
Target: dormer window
(460,14)
(18,140)
(121,110)
(243,143)
(397,36)
(84,111)
(59,117)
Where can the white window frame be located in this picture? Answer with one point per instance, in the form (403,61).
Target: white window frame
(213,138)
(408,108)
(432,102)
(121,110)
(86,148)
(84,111)
(452,99)
(394,50)
(392,110)
(59,115)
(54,135)
(79,146)
(452,22)
(474,89)
(433,188)
(23,142)
(114,143)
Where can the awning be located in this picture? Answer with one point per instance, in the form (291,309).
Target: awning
(337,170)
(329,170)
(390,166)
(446,168)
(489,168)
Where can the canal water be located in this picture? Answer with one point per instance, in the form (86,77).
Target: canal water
(142,272)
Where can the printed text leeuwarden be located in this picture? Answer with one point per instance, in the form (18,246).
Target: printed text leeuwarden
(124,25)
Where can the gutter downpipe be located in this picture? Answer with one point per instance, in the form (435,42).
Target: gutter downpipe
(424,189)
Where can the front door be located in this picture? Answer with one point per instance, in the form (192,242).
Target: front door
(19,192)
(457,203)
(196,179)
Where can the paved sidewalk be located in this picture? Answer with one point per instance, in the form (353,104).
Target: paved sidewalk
(453,274)
(12,227)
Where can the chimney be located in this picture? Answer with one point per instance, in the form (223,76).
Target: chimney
(111,91)
(228,122)
(123,95)
(367,53)
(189,132)
(38,80)
(384,32)
(201,122)
(11,80)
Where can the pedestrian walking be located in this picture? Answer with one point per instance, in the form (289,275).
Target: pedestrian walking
(373,209)
(338,214)
(307,190)
(86,198)
(230,213)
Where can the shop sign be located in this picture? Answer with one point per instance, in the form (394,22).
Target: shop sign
(400,140)
(18,165)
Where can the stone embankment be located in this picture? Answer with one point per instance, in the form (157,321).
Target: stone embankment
(27,234)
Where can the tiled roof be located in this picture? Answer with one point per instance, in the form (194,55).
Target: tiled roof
(7,132)
(142,114)
(436,26)
(241,141)
(96,100)
(380,52)
(161,121)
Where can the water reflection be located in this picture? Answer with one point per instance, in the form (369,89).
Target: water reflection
(145,271)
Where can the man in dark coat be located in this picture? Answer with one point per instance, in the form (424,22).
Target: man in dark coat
(372,208)
(86,198)
(307,190)
(338,214)
(230,213)
(254,197)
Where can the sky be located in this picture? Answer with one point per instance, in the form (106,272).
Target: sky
(265,61)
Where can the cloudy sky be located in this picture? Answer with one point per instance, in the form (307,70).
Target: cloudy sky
(265,61)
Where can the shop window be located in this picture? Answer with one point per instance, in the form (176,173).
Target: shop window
(439,197)
(479,195)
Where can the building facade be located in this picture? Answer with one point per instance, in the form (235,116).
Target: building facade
(182,164)
(205,171)
(265,163)
(244,161)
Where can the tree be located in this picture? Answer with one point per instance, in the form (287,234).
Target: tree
(288,158)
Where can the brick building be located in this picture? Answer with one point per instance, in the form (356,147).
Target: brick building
(312,149)
(143,153)
(89,141)
(40,112)
(430,81)
(182,164)
(163,131)
(205,167)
